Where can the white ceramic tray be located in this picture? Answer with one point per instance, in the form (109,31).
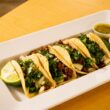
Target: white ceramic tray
(12,99)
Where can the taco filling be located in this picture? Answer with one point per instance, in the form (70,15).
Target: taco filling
(106,42)
(60,72)
(34,79)
(81,63)
(94,50)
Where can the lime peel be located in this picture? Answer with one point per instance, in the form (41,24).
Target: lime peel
(9,75)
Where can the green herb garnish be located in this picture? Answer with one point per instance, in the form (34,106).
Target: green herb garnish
(31,74)
(93,48)
(106,42)
(53,66)
(88,62)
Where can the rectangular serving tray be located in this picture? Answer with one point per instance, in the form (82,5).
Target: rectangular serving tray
(14,99)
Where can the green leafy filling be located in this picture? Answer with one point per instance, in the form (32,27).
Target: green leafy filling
(88,62)
(57,75)
(93,48)
(77,57)
(106,42)
(31,74)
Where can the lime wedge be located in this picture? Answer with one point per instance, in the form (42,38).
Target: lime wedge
(9,75)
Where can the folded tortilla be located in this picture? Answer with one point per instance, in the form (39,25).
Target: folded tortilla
(39,67)
(78,45)
(97,39)
(63,55)
(45,64)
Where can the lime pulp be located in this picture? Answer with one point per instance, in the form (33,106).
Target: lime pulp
(9,75)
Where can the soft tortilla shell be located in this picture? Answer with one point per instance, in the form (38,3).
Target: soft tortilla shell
(101,44)
(63,55)
(21,75)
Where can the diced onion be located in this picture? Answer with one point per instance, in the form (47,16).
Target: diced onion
(91,69)
(41,80)
(106,60)
(41,89)
(78,66)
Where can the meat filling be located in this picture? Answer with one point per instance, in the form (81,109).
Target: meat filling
(94,50)
(34,79)
(58,70)
(76,57)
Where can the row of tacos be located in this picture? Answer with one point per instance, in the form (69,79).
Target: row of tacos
(56,64)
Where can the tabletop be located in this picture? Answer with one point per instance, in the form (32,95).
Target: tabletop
(34,15)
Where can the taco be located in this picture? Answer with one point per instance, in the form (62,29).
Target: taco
(106,42)
(81,63)
(33,77)
(103,45)
(96,50)
(78,45)
(55,66)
